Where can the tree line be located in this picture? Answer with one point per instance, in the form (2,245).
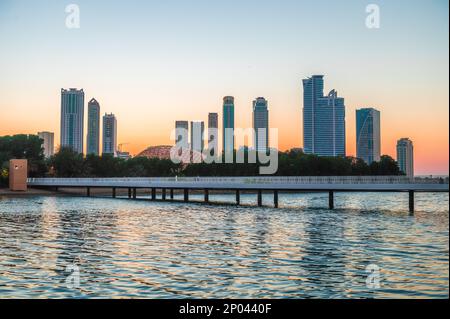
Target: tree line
(67,163)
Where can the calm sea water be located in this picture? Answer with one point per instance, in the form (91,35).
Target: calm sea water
(69,247)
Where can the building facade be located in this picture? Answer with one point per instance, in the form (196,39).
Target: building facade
(213,131)
(323,119)
(182,134)
(405,156)
(48,144)
(109,134)
(197,136)
(72,119)
(260,124)
(228,124)
(93,128)
(368,136)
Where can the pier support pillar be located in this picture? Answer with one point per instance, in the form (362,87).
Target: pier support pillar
(331,200)
(153,193)
(88,191)
(129,192)
(275,198)
(186,195)
(206,196)
(134,193)
(259,198)
(411,202)
(114,192)
(171,193)
(238,197)
(163,194)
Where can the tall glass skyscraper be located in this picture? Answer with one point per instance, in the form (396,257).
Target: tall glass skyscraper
(109,134)
(48,144)
(368,134)
(260,124)
(228,124)
(72,119)
(182,134)
(197,136)
(213,126)
(405,156)
(323,119)
(93,134)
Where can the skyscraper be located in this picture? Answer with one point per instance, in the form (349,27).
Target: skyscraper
(260,124)
(72,119)
(323,119)
(368,134)
(93,134)
(109,134)
(182,134)
(228,124)
(197,136)
(213,126)
(405,156)
(48,144)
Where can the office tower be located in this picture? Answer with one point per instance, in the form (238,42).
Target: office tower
(72,119)
(368,135)
(197,133)
(182,134)
(48,144)
(213,127)
(228,124)
(109,134)
(323,119)
(260,124)
(93,134)
(405,156)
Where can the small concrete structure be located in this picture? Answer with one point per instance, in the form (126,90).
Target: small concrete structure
(18,171)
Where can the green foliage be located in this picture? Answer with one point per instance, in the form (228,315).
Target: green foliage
(22,146)
(68,163)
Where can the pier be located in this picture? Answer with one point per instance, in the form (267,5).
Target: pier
(258,184)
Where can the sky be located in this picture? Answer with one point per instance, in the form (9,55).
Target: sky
(153,62)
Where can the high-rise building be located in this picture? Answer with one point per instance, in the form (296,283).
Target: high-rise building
(323,119)
(72,119)
(93,126)
(197,136)
(260,124)
(405,156)
(109,134)
(213,131)
(368,134)
(182,134)
(228,124)
(48,144)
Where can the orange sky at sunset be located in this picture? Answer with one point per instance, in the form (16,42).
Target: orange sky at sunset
(151,65)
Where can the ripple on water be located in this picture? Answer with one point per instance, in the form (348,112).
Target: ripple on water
(136,249)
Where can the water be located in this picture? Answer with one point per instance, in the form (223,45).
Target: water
(124,248)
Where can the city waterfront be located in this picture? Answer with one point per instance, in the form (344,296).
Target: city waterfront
(143,249)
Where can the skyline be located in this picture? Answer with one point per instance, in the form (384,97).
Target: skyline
(182,73)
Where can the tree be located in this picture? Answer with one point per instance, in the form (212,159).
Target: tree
(22,146)
(68,163)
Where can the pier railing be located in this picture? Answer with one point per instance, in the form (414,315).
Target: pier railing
(246,180)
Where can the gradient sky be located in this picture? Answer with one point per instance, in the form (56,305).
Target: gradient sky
(153,62)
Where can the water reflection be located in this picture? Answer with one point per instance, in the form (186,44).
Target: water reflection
(127,248)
